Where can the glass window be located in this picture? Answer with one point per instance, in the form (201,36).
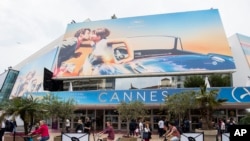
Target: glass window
(91,113)
(115,125)
(111,112)
(113,119)
(231,113)
(160,112)
(123,125)
(242,112)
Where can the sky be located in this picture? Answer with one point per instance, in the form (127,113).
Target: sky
(27,26)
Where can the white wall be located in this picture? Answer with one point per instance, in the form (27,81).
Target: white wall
(240,77)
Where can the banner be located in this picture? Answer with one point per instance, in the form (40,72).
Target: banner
(185,42)
(153,96)
(30,78)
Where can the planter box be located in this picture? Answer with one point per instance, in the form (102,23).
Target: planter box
(207,132)
(58,138)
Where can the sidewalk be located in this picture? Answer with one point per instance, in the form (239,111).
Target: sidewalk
(155,137)
(54,133)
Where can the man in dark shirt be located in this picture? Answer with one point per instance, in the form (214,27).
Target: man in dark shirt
(87,125)
(132,127)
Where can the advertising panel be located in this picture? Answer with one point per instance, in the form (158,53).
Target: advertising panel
(185,42)
(30,78)
(245,44)
(153,96)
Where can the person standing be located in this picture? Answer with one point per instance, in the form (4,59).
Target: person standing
(222,127)
(67,125)
(2,130)
(186,125)
(147,132)
(110,131)
(79,126)
(132,127)
(43,130)
(141,128)
(87,125)
(230,123)
(161,127)
(14,125)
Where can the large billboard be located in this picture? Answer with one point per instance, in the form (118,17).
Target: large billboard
(185,42)
(30,78)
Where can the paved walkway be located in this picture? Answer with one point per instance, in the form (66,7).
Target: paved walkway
(155,137)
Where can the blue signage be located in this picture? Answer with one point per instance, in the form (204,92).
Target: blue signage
(153,96)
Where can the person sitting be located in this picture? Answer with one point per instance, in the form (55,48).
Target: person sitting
(43,130)
(173,133)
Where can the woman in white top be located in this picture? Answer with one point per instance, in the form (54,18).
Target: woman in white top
(147,132)
(67,124)
(222,126)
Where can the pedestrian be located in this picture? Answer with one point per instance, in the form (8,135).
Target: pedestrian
(132,127)
(43,130)
(222,127)
(14,125)
(67,125)
(2,130)
(137,130)
(87,125)
(110,131)
(140,128)
(161,127)
(186,125)
(79,127)
(147,132)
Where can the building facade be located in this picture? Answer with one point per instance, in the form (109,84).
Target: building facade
(142,58)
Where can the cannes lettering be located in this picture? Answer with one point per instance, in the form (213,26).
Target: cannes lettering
(152,96)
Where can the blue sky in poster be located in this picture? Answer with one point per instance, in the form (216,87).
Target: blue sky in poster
(24,32)
(200,31)
(181,24)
